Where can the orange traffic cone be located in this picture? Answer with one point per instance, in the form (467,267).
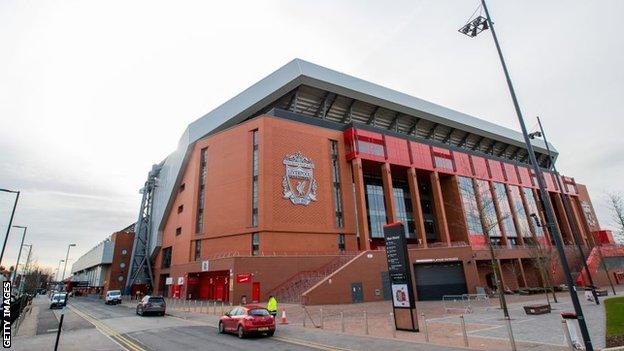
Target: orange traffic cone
(284,319)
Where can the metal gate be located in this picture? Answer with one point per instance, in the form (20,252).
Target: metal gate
(434,280)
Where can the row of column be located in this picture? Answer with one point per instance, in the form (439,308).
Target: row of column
(440,212)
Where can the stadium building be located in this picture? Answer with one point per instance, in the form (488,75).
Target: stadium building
(285,188)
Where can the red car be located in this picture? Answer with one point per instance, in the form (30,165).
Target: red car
(246,320)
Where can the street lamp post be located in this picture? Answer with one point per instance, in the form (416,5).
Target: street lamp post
(20,252)
(23,281)
(6,237)
(568,209)
(58,270)
(472,29)
(66,257)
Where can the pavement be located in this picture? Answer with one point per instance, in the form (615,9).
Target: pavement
(89,324)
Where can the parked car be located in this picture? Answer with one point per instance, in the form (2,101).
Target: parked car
(113,297)
(246,320)
(58,301)
(152,304)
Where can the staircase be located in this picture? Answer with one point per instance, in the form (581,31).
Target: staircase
(593,260)
(290,290)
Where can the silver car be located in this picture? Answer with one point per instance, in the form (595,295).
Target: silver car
(152,304)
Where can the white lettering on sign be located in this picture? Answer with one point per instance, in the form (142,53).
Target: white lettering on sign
(205,266)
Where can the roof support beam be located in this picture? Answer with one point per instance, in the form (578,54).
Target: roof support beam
(432,131)
(348,112)
(394,124)
(515,153)
(414,126)
(462,143)
(477,145)
(490,149)
(371,118)
(448,136)
(328,101)
(504,151)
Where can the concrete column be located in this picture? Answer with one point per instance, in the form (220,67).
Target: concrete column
(514,214)
(360,203)
(565,225)
(419,221)
(499,214)
(440,212)
(386,178)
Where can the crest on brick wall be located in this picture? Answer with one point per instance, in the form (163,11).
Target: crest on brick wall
(298,183)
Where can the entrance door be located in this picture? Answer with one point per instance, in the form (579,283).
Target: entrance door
(357,293)
(386,286)
(255,292)
(434,280)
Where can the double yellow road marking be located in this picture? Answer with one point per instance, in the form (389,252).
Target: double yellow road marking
(310,344)
(124,341)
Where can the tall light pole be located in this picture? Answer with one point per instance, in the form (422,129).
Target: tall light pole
(58,270)
(23,281)
(20,252)
(568,209)
(66,257)
(472,29)
(576,232)
(6,237)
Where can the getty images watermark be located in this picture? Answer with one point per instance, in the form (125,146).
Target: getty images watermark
(6,314)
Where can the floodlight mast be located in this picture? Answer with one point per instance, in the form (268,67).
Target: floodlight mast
(472,29)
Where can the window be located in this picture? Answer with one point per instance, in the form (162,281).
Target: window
(180,208)
(443,161)
(375,206)
(178,230)
(197,254)
(505,210)
(336,185)
(201,196)
(471,210)
(532,208)
(341,242)
(255,244)
(518,208)
(166,257)
(365,147)
(403,202)
(254,173)
(488,211)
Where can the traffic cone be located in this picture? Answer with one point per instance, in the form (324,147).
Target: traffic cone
(284,319)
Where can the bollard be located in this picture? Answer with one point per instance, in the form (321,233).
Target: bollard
(512,341)
(322,321)
(214,307)
(221,308)
(463,327)
(195,306)
(365,323)
(304,318)
(566,333)
(425,326)
(392,325)
(201,307)
(342,325)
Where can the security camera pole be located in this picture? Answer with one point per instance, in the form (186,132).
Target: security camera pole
(472,29)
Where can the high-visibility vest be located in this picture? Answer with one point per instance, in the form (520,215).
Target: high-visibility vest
(272,305)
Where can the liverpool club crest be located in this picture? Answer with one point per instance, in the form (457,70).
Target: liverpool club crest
(298,182)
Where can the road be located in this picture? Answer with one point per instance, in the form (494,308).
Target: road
(89,324)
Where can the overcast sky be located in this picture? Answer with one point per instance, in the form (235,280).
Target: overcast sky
(93,93)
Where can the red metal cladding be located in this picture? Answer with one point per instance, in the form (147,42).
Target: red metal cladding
(462,164)
(397,151)
(525,177)
(550,182)
(421,154)
(496,169)
(512,175)
(480,167)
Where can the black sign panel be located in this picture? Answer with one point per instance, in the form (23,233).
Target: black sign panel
(398,266)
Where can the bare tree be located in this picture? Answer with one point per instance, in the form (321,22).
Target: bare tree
(542,260)
(616,204)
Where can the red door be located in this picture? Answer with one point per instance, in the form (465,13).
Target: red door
(255,292)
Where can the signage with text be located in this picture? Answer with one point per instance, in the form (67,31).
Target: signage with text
(243,277)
